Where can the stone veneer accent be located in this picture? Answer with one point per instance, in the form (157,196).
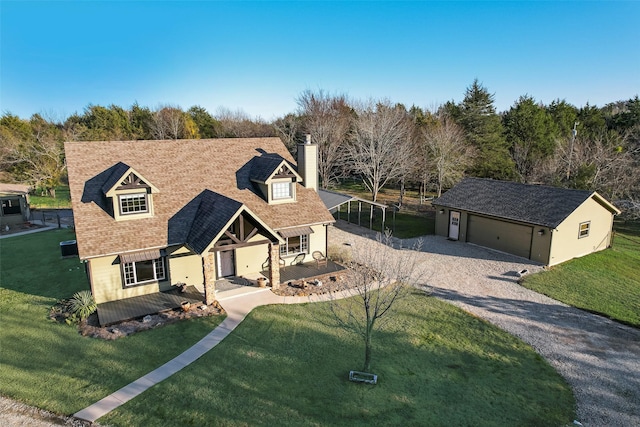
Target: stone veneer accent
(274,265)
(209,261)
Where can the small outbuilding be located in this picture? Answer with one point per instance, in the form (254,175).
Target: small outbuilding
(545,224)
(14,199)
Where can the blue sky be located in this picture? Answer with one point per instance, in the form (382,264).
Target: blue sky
(58,57)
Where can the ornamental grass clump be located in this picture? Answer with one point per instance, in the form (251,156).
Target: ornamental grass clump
(82,305)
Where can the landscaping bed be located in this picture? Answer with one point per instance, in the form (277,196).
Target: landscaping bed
(324,284)
(91,327)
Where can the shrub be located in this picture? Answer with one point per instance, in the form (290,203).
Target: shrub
(82,304)
(340,254)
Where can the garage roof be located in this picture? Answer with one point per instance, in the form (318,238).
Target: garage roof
(533,204)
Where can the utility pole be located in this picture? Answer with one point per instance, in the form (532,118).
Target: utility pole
(574,132)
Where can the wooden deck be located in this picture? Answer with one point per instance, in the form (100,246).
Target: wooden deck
(131,308)
(305,271)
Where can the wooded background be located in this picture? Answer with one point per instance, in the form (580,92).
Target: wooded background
(378,142)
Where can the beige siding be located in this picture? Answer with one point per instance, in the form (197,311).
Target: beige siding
(250,259)
(442,221)
(566,244)
(540,243)
(106,281)
(185,266)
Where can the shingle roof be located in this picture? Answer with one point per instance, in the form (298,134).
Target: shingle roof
(533,204)
(117,172)
(181,170)
(264,166)
(214,212)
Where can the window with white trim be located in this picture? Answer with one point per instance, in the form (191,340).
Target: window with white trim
(584,229)
(294,245)
(133,203)
(281,190)
(135,273)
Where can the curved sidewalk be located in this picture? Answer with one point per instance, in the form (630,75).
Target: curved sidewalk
(237,307)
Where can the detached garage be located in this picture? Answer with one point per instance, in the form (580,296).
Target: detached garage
(544,224)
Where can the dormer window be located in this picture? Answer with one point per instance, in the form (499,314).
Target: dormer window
(133,203)
(130,193)
(281,190)
(275,178)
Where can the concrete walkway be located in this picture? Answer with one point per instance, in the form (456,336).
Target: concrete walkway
(237,303)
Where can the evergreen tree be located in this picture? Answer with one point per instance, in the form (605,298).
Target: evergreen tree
(532,134)
(484,131)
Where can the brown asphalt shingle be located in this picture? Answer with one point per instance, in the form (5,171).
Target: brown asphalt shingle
(180,170)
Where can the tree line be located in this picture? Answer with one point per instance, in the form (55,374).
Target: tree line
(376,141)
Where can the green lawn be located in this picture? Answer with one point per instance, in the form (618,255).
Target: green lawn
(411,221)
(605,282)
(288,365)
(62,200)
(50,365)
(283,365)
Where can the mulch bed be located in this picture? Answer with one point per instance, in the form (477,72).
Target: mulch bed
(327,283)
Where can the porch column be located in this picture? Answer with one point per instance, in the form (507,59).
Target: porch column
(274,265)
(209,261)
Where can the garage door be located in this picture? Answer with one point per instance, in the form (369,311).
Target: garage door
(503,236)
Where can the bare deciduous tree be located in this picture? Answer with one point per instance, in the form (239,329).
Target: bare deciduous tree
(289,129)
(168,123)
(379,276)
(380,148)
(328,120)
(445,152)
(35,155)
(238,124)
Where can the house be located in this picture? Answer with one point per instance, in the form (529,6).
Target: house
(14,199)
(544,224)
(151,214)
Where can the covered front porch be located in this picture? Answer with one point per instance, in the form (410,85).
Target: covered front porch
(136,307)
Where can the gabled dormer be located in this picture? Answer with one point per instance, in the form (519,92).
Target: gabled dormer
(130,193)
(275,177)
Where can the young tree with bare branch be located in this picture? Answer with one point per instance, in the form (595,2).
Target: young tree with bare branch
(379,276)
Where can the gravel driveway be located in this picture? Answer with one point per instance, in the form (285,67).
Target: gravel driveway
(599,358)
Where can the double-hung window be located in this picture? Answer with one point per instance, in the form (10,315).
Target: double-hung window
(138,272)
(295,245)
(133,203)
(584,229)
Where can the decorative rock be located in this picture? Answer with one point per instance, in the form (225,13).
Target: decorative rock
(203,307)
(146,319)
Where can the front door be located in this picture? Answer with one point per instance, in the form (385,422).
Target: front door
(454,225)
(227,264)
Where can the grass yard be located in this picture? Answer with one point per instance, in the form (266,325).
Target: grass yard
(285,365)
(288,365)
(413,220)
(49,365)
(62,200)
(606,282)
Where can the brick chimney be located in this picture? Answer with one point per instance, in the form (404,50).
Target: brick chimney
(308,163)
